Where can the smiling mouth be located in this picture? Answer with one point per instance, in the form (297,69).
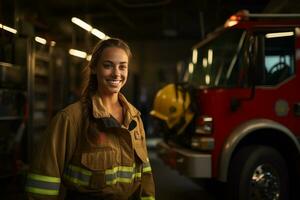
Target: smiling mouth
(114,82)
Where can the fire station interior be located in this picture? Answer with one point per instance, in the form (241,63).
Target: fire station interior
(40,74)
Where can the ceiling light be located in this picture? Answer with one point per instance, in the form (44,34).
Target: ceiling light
(88,57)
(204,62)
(195,56)
(9,29)
(82,24)
(207,79)
(40,40)
(191,68)
(210,56)
(89,28)
(77,53)
(98,33)
(279,34)
(52,43)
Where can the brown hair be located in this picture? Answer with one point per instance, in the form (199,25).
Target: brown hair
(89,79)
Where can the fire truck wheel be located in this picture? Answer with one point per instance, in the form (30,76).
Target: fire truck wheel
(258,172)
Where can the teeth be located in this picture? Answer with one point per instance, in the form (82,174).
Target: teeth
(114,82)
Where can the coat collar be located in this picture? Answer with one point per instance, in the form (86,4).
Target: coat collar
(99,110)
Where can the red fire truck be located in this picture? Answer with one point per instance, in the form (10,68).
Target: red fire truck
(236,118)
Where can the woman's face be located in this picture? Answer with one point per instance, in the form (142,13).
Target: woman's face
(112,70)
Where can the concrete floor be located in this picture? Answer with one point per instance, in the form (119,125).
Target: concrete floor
(170,185)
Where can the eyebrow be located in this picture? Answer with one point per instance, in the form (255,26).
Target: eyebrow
(124,62)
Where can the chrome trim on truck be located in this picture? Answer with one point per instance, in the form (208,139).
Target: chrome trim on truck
(189,163)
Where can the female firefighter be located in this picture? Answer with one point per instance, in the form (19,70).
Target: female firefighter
(95,148)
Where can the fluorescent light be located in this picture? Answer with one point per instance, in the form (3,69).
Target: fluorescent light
(279,34)
(89,28)
(195,56)
(210,56)
(9,29)
(82,24)
(98,33)
(77,53)
(204,62)
(88,57)
(191,68)
(40,40)
(52,43)
(207,79)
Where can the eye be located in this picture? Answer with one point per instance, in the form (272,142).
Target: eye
(107,65)
(123,67)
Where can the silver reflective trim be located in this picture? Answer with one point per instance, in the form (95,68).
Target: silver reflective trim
(77,175)
(119,174)
(188,162)
(123,174)
(42,185)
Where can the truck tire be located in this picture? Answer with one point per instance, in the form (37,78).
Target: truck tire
(258,172)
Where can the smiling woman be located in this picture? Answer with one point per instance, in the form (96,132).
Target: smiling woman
(95,147)
(112,70)
(107,73)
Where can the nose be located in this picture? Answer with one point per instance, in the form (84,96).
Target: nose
(116,71)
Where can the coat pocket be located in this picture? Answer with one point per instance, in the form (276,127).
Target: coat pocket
(97,163)
(99,160)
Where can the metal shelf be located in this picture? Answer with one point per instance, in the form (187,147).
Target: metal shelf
(10,118)
(5,64)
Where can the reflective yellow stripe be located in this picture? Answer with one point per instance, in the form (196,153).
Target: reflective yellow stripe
(41,191)
(78,169)
(147,169)
(124,180)
(77,175)
(138,175)
(119,179)
(44,178)
(40,184)
(148,198)
(119,168)
(122,174)
(76,180)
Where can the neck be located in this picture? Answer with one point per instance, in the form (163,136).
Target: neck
(113,106)
(110,101)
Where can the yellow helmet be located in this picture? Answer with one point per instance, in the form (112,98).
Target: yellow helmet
(171,107)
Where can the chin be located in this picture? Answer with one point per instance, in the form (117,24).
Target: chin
(113,91)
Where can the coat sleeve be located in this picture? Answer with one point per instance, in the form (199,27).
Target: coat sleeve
(54,149)
(147,182)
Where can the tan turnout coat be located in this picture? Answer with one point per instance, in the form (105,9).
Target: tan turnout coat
(97,156)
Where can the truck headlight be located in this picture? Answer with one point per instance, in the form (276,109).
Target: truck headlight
(202,143)
(204,125)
